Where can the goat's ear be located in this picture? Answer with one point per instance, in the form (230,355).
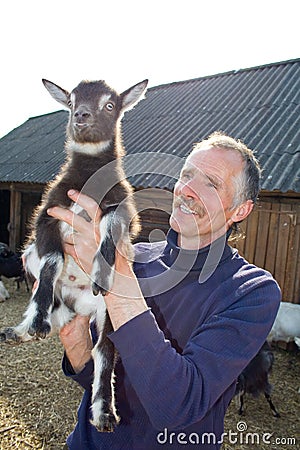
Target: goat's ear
(132,95)
(59,94)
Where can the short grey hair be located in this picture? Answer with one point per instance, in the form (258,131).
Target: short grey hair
(247,183)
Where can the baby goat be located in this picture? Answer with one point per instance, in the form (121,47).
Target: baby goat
(94,166)
(254,378)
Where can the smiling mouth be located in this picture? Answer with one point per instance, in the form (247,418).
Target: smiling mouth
(186,210)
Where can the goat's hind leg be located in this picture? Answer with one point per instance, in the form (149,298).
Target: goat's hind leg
(104,416)
(104,260)
(113,230)
(269,400)
(241,401)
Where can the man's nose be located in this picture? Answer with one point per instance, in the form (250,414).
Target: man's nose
(187,190)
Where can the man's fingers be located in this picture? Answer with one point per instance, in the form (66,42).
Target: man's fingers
(75,221)
(87,203)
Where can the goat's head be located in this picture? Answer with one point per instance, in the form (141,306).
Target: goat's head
(95,108)
(4,250)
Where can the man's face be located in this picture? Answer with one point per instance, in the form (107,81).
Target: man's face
(204,196)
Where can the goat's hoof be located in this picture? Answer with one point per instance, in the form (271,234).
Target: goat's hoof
(41,331)
(106,423)
(9,335)
(98,289)
(95,288)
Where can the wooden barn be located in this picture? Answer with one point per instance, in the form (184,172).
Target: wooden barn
(259,105)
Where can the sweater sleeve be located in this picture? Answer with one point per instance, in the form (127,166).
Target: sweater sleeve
(83,378)
(178,389)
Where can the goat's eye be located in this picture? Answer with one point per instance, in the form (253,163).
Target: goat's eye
(69,104)
(109,106)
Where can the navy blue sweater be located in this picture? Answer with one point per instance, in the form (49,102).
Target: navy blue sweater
(209,313)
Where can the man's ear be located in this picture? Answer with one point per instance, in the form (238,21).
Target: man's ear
(242,211)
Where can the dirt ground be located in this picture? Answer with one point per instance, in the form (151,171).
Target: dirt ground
(38,404)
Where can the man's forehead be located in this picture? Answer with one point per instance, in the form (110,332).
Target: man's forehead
(198,157)
(214,158)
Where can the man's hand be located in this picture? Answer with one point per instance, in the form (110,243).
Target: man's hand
(77,341)
(125,299)
(83,243)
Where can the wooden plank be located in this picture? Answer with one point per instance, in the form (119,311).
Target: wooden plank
(291,283)
(262,234)
(282,246)
(251,234)
(296,291)
(242,240)
(239,241)
(271,249)
(15,220)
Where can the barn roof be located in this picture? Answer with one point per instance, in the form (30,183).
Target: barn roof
(259,105)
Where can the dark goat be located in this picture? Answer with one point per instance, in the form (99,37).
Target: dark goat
(94,166)
(255,378)
(11,265)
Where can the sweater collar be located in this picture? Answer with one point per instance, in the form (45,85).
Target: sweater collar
(206,258)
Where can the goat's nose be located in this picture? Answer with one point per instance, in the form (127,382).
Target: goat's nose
(82,114)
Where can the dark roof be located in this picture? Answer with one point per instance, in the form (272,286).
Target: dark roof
(259,105)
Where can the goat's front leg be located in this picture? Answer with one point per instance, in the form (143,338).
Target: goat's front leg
(43,296)
(51,254)
(37,322)
(44,260)
(104,416)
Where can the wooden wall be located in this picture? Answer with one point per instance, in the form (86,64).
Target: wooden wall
(272,241)
(154,207)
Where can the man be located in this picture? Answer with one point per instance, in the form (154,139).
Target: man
(187,318)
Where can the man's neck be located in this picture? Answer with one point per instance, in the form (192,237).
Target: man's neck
(200,241)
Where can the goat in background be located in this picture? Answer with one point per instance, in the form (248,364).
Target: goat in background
(4,294)
(286,326)
(11,265)
(254,379)
(94,166)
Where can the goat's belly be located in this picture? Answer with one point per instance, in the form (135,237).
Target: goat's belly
(81,299)
(76,300)
(72,275)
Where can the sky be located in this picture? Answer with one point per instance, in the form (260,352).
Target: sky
(126,41)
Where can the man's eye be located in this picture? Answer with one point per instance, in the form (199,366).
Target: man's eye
(212,185)
(185,176)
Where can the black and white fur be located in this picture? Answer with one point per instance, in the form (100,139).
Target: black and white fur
(254,379)
(94,166)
